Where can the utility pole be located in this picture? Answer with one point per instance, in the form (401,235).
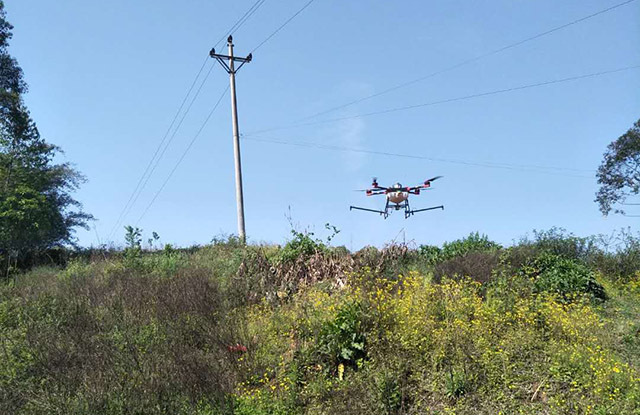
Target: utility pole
(231,70)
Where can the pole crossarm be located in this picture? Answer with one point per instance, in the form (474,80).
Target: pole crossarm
(224,58)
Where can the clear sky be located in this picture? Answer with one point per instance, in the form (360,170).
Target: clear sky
(106,79)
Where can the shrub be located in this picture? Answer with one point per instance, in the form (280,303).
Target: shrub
(623,261)
(472,243)
(431,254)
(566,277)
(302,245)
(389,262)
(343,340)
(117,343)
(479,266)
(559,242)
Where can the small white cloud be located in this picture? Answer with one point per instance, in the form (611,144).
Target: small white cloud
(350,134)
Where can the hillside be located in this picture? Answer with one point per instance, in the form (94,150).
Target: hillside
(548,326)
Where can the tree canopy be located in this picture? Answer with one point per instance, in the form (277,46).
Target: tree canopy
(619,173)
(36,209)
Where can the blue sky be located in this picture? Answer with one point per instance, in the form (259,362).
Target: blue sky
(106,79)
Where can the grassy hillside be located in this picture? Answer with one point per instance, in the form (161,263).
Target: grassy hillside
(549,326)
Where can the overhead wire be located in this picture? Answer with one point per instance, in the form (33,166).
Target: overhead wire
(259,3)
(468,61)
(238,24)
(282,25)
(448,100)
(149,169)
(164,150)
(184,153)
(129,203)
(243,20)
(533,168)
(495,92)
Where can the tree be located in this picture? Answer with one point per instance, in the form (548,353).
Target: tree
(619,173)
(37,211)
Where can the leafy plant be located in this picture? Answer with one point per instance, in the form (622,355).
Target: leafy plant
(553,273)
(455,383)
(154,238)
(133,237)
(302,245)
(343,340)
(475,242)
(559,242)
(389,394)
(430,253)
(133,251)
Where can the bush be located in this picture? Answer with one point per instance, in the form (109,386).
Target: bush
(472,243)
(115,343)
(343,340)
(302,245)
(479,266)
(563,276)
(558,241)
(624,261)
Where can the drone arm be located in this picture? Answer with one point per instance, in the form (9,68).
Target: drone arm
(367,210)
(411,212)
(416,189)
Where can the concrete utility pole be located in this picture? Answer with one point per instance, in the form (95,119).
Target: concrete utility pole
(231,70)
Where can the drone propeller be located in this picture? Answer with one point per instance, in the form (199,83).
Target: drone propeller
(433,179)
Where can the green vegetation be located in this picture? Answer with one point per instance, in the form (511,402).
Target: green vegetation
(550,325)
(553,327)
(37,211)
(618,174)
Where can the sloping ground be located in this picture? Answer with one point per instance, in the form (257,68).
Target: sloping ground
(306,329)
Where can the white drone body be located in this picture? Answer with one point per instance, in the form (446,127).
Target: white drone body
(397,197)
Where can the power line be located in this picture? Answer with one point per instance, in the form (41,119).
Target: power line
(164,150)
(283,25)
(147,173)
(468,61)
(499,91)
(129,203)
(445,101)
(184,153)
(238,24)
(532,168)
(234,28)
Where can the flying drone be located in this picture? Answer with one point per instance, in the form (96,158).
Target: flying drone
(397,197)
